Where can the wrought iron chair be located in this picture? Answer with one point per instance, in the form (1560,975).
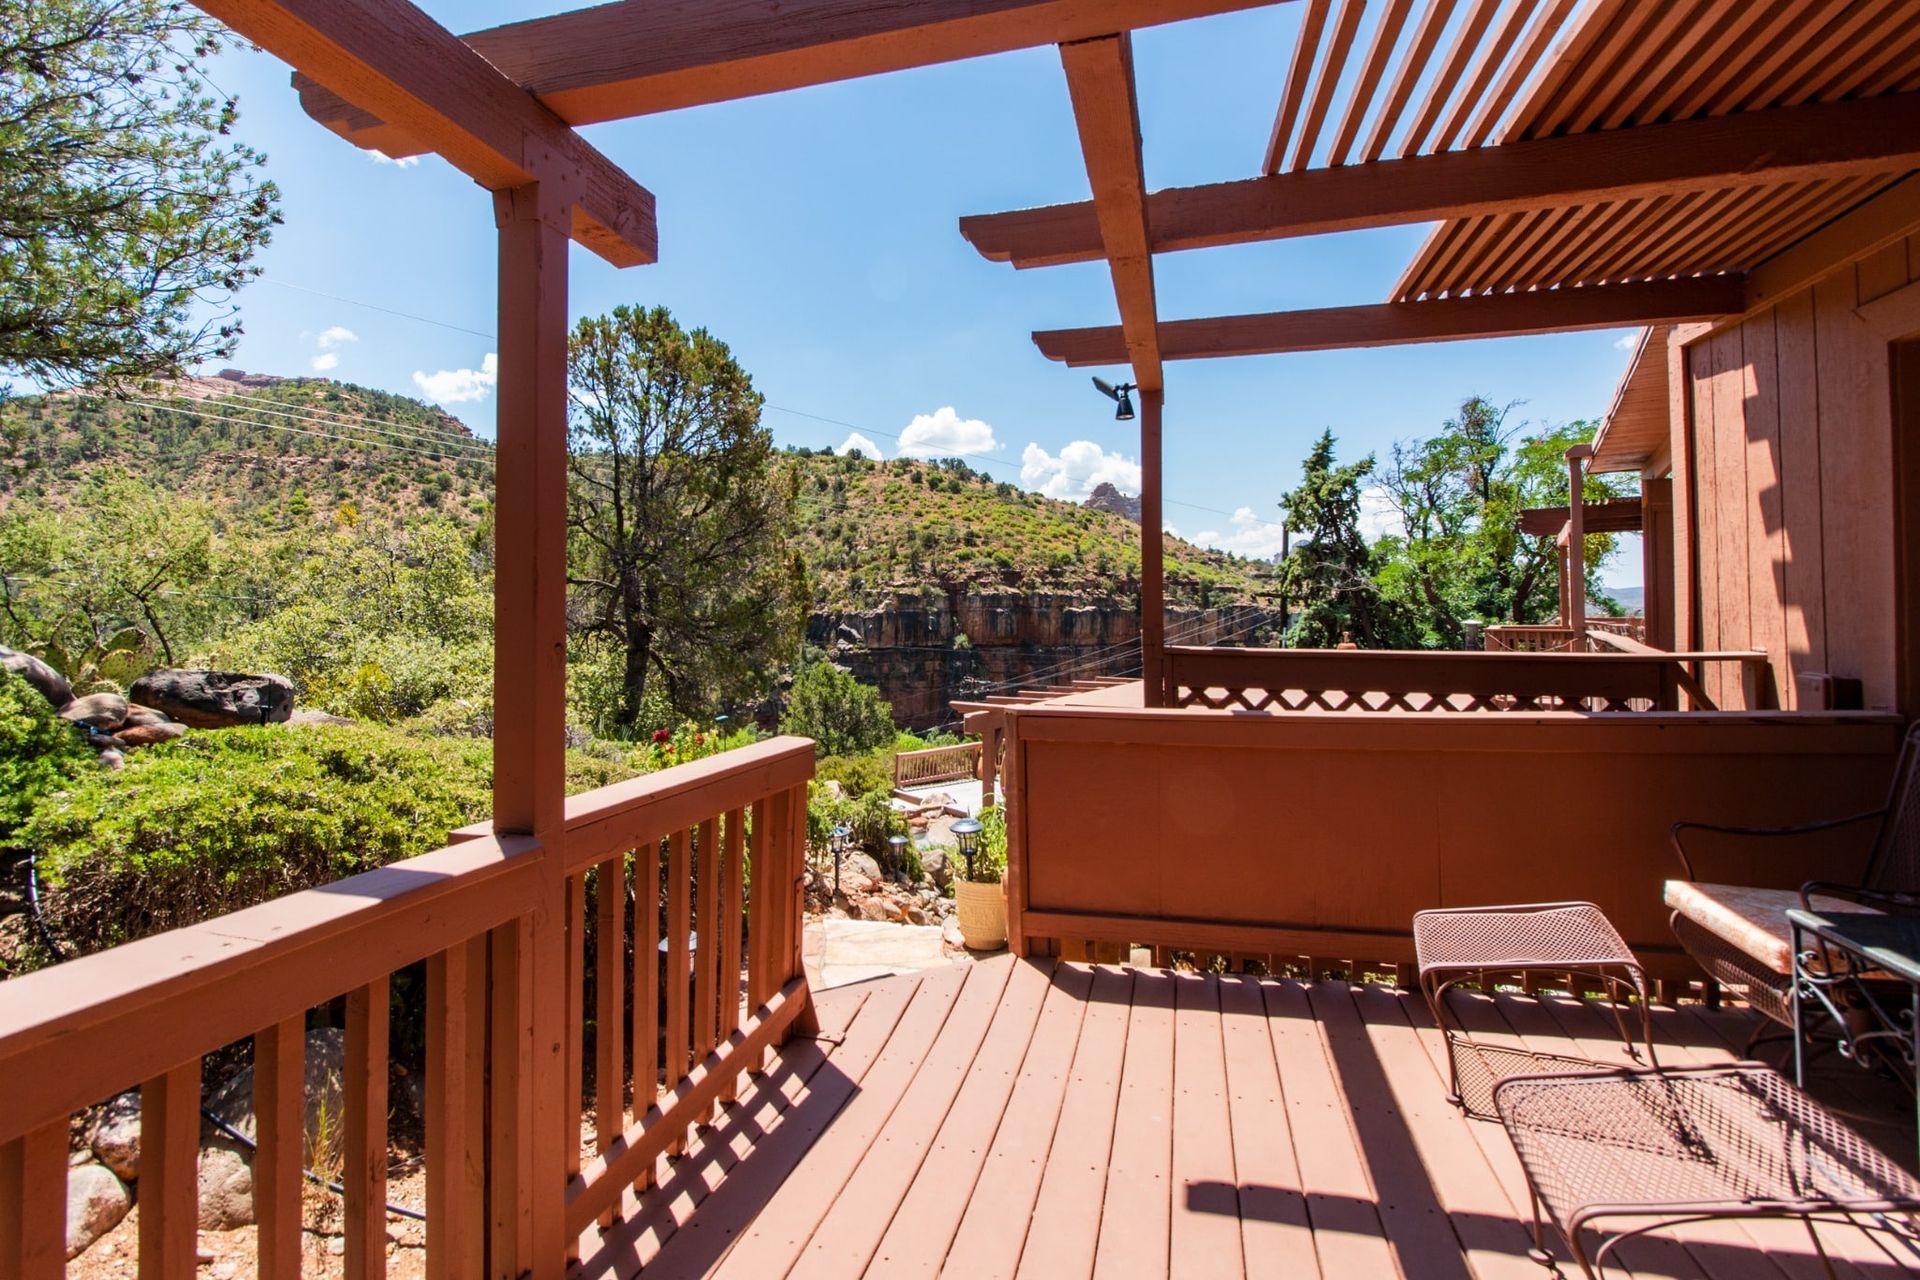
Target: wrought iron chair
(1739,934)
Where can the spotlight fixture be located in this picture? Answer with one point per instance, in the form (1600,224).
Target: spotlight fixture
(1123,410)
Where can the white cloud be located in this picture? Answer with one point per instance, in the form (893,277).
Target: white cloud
(943,433)
(334,336)
(867,448)
(326,361)
(1249,536)
(1378,516)
(1627,341)
(404,162)
(456,386)
(1074,472)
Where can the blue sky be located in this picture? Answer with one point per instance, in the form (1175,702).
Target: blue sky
(815,232)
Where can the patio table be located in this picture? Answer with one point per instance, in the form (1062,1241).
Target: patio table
(1846,963)
(1662,1148)
(1457,944)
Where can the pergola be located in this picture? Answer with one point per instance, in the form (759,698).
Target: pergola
(1589,165)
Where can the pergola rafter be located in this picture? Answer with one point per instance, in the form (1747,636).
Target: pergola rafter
(638,57)
(1765,148)
(400,61)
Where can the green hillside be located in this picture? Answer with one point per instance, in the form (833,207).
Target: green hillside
(871,530)
(310,450)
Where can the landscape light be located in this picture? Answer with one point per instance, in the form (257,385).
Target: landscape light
(1123,403)
(967,833)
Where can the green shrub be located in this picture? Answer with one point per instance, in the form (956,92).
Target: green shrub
(860,775)
(39,752)
(869,819)
(841,715)
(216,821)
(990,853)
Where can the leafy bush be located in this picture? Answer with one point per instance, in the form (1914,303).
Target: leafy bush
(859,775)
(869,819)
(841,715)
(213,822)
(990,853)
(39,752)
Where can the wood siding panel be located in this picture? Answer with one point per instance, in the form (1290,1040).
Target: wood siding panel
(1766,602)
(1733,498)
(1705,472)
(1800,490)
(1856,460)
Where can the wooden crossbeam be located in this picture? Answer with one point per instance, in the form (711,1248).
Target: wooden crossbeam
(1394,323)
(1791,144)
(1613,515)
(635,57)
(400,62)
(1100,81)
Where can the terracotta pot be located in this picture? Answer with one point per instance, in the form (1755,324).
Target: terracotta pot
(982,909)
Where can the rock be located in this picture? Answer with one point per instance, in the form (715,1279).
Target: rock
(874,909)
(139,715)
(336,1246)
(326,1092)
(103,711)
(112,759)
(145,735)
(307,715)
(950,933)
(216,699)
(917,915)
(52,685)
(860,863)
(833,787)
(937,863)
(96,1201)
(116,1136)
(226,1186)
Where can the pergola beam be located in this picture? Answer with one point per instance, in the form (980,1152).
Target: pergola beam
(636,57)
(1790,144)
(396,60)
(1394,323)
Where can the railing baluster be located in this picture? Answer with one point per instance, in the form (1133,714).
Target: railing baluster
(679,921)
(280,1119)
(365,1177)
(646,982)
(732,903)
(707,957)
(170,1173)
(762,918)
(793,884)
(609,1048)
(574,904)
(450,978)
(33,1204)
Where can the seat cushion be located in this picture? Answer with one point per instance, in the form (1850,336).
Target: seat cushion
(1752,920)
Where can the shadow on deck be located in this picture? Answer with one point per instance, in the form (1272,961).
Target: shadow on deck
(1023,1117)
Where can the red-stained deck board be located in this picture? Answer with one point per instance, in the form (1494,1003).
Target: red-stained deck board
(1205,1237)
(923,1226)
(992,1230)
(845,1242)
(1039,1118)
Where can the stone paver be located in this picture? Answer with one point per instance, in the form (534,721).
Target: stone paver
(839,952)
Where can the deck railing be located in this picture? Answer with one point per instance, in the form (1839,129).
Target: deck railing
(936,764)
(1384,680)
(503,1102)
(1312,838)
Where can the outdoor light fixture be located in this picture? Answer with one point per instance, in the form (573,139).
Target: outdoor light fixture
(1123,403)
(967,832)
(839,844)
(897,848)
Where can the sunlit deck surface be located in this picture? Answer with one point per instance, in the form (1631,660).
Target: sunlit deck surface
(1023,1117)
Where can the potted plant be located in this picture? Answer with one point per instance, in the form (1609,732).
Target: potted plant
(979,897)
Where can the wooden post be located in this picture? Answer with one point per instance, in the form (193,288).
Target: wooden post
(1656,554)
(170,1173)
(33,1204)
(1153,586)
(279,1074)
(1577,546)
(530,672)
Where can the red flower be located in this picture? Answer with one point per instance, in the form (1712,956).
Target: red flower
(661,735)
(699,739)
(669,746)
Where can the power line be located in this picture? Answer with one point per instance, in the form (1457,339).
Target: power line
(456,449)
(372,306)
(426,429)
(435,455)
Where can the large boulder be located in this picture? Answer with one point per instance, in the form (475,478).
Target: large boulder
(52,685)
(145,735)
(96,1201)
(326,1093)
(226,1186)
(102,711)
(116,1136)
(216,699)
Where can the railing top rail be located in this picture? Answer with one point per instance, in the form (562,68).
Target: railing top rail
(156,1002)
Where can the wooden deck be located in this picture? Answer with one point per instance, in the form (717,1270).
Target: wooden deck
(1023,1118)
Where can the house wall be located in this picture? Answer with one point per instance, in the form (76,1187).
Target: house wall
(1785,417)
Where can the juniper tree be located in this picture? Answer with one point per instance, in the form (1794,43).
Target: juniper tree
(128,218)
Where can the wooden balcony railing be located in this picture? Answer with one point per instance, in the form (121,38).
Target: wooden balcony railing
(1553,638)
(1313,838)
(502,1101)
(936,764)
(1384,680)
